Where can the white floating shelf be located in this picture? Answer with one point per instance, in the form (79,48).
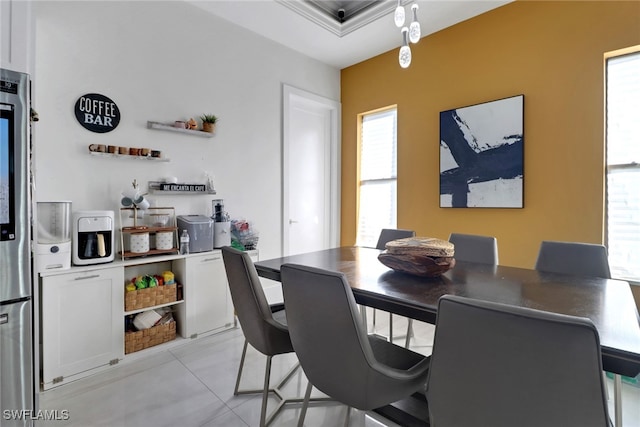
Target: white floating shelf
(156,187)
(128,156)
(171,128)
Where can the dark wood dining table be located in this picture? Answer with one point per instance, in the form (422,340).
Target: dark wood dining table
(608,303)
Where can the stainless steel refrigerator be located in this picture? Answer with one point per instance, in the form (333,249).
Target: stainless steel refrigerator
(17,390)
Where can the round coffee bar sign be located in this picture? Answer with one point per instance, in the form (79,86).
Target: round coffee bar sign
(97,113)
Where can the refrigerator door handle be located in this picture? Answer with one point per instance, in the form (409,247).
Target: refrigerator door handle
(4,318)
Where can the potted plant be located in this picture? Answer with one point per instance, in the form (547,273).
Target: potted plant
(209,122)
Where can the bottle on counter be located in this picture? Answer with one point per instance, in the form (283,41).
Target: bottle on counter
(184,242)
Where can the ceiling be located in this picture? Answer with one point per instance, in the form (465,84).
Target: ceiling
(343,10)
(315,27)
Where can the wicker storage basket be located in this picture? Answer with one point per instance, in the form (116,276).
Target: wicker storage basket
(148,297)
(136,341)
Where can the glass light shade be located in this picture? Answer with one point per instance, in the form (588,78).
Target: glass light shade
(398,16)
(414,28)
(404,57)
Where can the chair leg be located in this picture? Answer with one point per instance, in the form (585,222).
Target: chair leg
(346,419)
(265,392)
(305,405)
(363,314)
(276,389)
(407,340)
(374,321)
(264,420)
(244,353)
(617,396)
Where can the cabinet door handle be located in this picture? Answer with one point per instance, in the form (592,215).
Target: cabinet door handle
(4,318)
(210,259)
(93,276)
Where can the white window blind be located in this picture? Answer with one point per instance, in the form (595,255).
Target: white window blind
(377,208)
(623,166)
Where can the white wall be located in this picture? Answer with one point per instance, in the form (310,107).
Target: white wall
(166,61)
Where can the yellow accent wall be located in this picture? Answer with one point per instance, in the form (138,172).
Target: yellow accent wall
(550,51)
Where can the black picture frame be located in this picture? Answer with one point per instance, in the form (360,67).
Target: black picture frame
(482,155)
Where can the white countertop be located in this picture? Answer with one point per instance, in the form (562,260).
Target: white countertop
(128,262)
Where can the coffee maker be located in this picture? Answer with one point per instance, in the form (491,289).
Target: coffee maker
(93,237)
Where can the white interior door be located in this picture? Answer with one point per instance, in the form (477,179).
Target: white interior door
(310,175)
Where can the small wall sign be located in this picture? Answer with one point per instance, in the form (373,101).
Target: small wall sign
(97,113)
(199,188)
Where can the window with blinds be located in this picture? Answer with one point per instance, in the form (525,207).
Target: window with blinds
(377,206)
(623,165)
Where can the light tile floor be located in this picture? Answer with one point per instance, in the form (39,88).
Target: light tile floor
(190,383)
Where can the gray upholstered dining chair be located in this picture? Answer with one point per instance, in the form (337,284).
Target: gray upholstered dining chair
(579,259)
(264,326)
(473,248)
(387,235)
(334,350)
(498,365)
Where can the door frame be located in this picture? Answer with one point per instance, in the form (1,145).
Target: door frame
(291,97)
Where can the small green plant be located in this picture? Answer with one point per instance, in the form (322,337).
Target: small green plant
(208,118)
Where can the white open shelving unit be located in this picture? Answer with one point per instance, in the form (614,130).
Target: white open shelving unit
(171,128)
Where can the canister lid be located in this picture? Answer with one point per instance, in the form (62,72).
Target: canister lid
(195,219)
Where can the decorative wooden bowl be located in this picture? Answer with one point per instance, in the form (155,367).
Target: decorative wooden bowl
(421,256)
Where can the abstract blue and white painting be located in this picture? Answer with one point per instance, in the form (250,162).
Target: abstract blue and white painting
(482,155)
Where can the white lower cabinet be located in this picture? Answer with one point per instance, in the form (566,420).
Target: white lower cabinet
(82,311)
(207,302)
(82,323)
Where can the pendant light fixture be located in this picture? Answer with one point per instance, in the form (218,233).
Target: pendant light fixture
(398,15)
(414,28)
(411,34)
(404,57)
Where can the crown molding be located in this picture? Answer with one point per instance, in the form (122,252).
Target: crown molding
(322,19)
